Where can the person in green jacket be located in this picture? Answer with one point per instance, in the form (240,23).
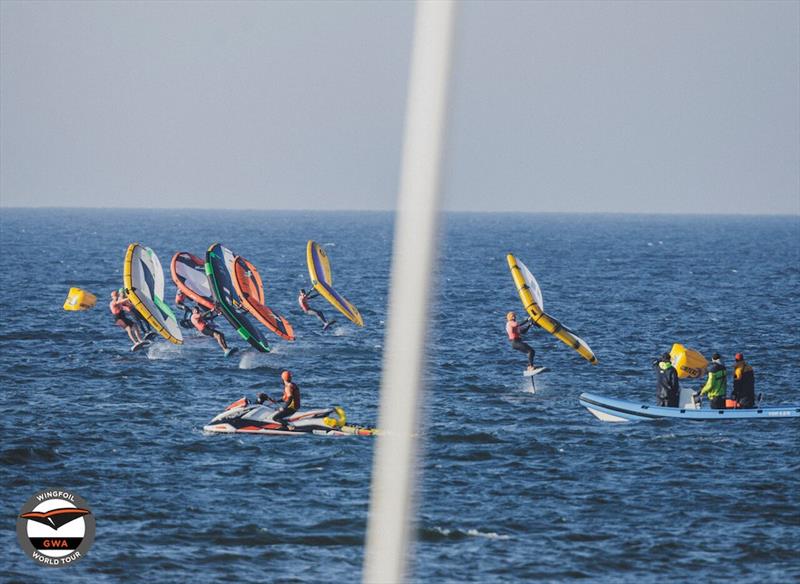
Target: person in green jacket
(716,387)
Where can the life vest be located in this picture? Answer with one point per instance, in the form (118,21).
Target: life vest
(293,398)
(741,370)
(512,328)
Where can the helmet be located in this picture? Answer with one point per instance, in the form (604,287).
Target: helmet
(665,357)
(286,375)
(716,357)
(511,316)
(739,357)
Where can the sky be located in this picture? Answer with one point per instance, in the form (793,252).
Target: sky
(633,107)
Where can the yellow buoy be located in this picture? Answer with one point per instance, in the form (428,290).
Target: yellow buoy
(78,299)
(688,362)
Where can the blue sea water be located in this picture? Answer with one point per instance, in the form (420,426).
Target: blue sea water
(515,486)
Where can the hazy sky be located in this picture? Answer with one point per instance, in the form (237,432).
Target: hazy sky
(567,106)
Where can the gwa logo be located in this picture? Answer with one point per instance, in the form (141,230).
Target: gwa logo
(55,527)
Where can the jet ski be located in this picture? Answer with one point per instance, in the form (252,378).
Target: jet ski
(619,410)
(252,418)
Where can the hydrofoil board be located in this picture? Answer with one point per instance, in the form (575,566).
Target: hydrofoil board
(140,345)
(534,371)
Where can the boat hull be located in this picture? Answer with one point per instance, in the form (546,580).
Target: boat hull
(609,409)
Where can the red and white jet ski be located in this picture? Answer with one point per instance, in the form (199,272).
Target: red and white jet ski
(252,418)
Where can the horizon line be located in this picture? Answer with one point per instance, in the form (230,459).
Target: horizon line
(444,211)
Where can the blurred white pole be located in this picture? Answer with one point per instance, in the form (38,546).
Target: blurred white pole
(415,244)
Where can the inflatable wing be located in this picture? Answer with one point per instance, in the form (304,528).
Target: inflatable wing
(531,296)
(189,275)
(143,277)
(319,269)
(219,269)
(250,289)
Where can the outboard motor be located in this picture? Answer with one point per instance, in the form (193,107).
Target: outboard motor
(686,400)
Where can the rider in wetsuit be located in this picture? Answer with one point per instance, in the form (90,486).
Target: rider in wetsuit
(201,323)
(303,299)
(145,330)
(121,319)
(515,332)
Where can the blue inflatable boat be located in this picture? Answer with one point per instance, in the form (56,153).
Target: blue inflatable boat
(610,409)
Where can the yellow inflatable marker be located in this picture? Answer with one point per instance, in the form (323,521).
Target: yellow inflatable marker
(688,362)
(531,296)
(78,299)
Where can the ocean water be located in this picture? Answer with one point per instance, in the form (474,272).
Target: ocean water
(515,486)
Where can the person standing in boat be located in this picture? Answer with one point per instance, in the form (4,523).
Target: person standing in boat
(716,387)
(667,387)
(744,383)
(515,331)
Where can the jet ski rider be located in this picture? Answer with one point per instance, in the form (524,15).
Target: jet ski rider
(515,332)
(291,396)
(117,308)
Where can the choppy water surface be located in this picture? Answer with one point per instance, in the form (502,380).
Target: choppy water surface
(516,486)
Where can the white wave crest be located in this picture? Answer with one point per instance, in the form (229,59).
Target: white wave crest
(163,352)
(253,360)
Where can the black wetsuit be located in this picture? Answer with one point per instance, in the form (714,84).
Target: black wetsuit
(282,413)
